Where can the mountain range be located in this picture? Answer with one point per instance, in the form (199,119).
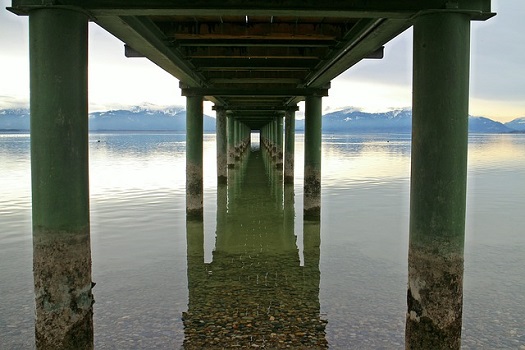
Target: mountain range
(349,120)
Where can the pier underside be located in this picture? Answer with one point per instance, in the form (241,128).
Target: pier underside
(255,61)
(256,58)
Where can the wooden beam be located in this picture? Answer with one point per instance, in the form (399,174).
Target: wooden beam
(369,37)
(247,74)
(253,92)
(400,9)
(253,63)
(277,42)
(217,30)
(267,81)
(144,37)
(254,52)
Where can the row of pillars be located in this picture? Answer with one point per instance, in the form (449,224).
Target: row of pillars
(60,177)
(233,139)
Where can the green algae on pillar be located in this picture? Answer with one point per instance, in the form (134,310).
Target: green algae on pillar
(194,139)
(289,146)
(60,179)
(222,148)
(312,157)
(438,181)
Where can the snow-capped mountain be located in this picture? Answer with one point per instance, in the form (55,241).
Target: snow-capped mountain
(144,117)
(151,117)
(517,124)
(394,121)
(14,119)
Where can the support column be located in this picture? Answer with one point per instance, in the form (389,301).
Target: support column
(231,141)
(289,145)
(438,181)
(236,138)
(312,157)
(60,179)
(194,139)
(222,161)
(274,140)
(279,143)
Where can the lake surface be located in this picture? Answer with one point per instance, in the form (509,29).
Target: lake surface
(254,272)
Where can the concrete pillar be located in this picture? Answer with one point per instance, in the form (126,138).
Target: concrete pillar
(248,137)
(222,146)
(268,136)
(438,181)
(236,138)
(231,141)
(279,143)
(312,157)
(274,140)
(194,139)
(60,179)
(289,148)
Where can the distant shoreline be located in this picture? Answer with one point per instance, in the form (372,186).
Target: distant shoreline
(299,131)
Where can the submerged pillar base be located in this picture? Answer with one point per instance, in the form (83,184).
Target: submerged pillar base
(194,191)
(63,296)
(312,195)
(435,299)
(194,214)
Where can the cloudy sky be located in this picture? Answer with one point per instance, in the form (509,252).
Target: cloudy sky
(497,70)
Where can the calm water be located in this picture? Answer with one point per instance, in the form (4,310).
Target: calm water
(254,267)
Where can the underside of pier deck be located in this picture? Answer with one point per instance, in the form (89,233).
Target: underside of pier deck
(256,57)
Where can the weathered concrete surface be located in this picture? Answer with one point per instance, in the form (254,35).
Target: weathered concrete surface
(194,191)
(438,180)
(222,147)
(231,141)
(60,179)
(289,147)
(312,193)
(63,289)
(194,156)
(312,157)
(435,299)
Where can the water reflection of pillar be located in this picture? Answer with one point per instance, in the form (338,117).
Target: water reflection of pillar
(311,273)
(275,181)
(289,214)
(60,179)
(438,181)
(278,188)
(255,293)
(196,272)
(222,211)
